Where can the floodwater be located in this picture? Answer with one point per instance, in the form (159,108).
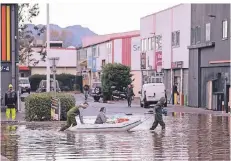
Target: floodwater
(187,137)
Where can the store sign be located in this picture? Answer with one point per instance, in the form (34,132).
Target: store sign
(143,60)
(177,65)
(158,61)
(55,109)
(5,68)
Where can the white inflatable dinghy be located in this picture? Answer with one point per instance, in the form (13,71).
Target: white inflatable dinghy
(117,127)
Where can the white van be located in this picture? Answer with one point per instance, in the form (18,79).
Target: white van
(151,94)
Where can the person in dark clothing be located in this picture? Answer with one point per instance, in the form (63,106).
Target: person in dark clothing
(130,94)
(166,99)
(159,114)
(101,118)
(86,91)
(72,113)
(174,90)
(10,103)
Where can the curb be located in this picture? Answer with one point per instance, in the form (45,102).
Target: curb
(33,122)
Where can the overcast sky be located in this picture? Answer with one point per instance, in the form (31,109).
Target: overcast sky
(102,18)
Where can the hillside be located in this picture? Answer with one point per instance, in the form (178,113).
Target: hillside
(71,35)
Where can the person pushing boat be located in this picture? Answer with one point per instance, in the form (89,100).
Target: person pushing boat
(159,114)
(72,113)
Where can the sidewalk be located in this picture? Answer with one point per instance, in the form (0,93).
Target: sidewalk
(4,158)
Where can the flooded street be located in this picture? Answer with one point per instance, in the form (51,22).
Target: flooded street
(187,137)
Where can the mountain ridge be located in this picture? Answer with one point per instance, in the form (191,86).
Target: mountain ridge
(70,35)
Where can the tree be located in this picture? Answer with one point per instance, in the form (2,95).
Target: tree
(117,75)
(26,13)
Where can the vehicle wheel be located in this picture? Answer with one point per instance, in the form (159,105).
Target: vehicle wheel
(28,92)
(146,105)
(96,98)
(141,105)
(21,92)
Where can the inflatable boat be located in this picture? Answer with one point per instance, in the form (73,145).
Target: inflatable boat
(107,127)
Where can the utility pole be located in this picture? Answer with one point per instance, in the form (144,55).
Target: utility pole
(48,49)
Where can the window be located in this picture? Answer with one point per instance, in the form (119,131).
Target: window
(193,36)
(142,45)
(98,52)
(198,34)
(94,51)
(159,43)
(149,44)
(207,32)
(145,44)
(109,47)
(175,38)
(153,43)
(83,54)
(224,29)
(103,62)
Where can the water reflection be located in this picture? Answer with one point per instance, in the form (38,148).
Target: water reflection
(187,137)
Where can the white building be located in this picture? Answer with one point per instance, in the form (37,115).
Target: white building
(121,48)
(168,50)
(66,64)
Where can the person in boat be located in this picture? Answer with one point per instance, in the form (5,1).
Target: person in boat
(101,118)
(72,113)
(159,114)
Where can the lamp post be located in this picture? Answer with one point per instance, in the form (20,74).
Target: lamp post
(54,62)
(48,50)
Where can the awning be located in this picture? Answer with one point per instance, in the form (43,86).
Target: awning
(23,68)
(83,63)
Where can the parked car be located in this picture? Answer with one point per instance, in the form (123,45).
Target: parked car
(96,91)
(24,85)
(43,84)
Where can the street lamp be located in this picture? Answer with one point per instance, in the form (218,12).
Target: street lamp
(54,62)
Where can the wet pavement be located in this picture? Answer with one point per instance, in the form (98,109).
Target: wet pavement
(187,137)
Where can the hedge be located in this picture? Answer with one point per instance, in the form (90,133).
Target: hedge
(38,106)
(67,82)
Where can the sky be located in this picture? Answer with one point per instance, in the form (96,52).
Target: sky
(101,18)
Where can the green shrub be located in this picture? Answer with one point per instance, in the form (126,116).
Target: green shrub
(38,106)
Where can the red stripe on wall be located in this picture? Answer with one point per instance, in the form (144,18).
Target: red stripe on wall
(113,52)
(126,51)
(3,32)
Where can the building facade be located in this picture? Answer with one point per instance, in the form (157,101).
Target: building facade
(67,62)
(209,55)
(121,48)
(9,46)
(165,36)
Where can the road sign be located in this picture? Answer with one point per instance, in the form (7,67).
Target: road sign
(55,109)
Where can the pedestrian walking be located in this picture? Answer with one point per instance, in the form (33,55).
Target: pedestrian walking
(130,94)
(86,91)
(159,114)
